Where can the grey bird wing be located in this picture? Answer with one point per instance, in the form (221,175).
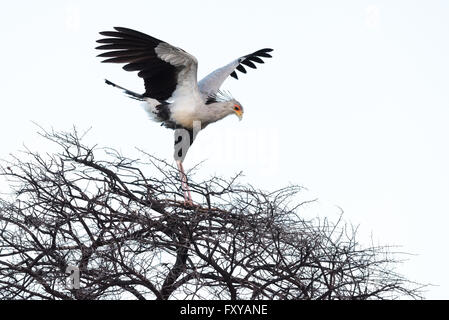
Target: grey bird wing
(166,70)
(210,84)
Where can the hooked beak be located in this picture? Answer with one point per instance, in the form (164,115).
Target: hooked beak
(239,114)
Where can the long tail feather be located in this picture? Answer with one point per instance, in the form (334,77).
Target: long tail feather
(129,93)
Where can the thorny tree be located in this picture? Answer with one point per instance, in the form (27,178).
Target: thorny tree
(124,225)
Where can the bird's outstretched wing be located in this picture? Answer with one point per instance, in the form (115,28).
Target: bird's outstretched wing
(210,84)
(163,67)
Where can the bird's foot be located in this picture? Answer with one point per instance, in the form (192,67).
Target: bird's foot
(188,203)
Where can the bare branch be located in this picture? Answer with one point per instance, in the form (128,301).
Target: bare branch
(119,221)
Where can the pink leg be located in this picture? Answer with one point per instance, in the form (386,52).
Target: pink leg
(184,185)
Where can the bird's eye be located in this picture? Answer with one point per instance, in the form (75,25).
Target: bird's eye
(236,108)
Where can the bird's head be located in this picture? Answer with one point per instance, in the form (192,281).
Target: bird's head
(237,108)
(226,104)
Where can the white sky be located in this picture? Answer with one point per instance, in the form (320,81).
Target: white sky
(354,105)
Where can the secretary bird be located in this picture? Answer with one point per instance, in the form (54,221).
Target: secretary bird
(172,94)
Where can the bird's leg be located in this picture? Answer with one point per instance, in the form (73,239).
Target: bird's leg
(184,185)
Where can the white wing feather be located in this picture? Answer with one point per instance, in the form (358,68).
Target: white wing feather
(210,84)
(186,99)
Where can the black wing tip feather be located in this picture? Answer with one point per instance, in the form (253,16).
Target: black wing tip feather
(120,30)
(137,51)
(125,37)
(250,60)
(127,30)
(262,53)
(125,45)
